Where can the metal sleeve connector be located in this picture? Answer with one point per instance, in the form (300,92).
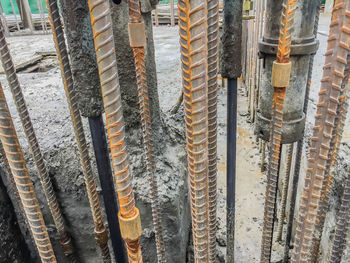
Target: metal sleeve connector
(280,76)
(137,34)
(130,227)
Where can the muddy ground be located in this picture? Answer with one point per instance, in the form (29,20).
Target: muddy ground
(47,105)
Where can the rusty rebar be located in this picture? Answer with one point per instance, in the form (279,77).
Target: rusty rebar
(147,133)
(101,22)
(284,195)
(101,234)
(299,148)
(213,51)
(43,173)
(23,182)
(333,74)
(283,57)
(327,185)
(193,45)
(341,229)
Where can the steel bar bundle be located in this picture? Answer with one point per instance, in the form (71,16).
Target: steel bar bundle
(329,95)
(137,39)
(58,36)
(129,217)
(327,185)
(280,80)
(23,182)
(194,48)
(43,173)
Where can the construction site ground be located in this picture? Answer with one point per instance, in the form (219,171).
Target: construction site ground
(250,180)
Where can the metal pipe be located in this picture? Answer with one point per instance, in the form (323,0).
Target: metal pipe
(333,75)
(283,59)
(194,45)
(231,164)
(23,182)
(231,68)
(282,213)
(213,51)
(61,50)
(43,173)
(138,49)
(98,137)
(299,149)
(104,46)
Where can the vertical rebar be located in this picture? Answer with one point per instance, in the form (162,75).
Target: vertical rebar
(23,182)
(299,149)
(61,50)
(282,213)
(14,14)
(43,173)
(213,51)
(283,57)
(333,74)
(146,122)
(193,45)
(101,22)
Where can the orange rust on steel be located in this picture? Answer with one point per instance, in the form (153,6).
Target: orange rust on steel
(329,95)
(283,56)
(62,54)
(24,184)
(43,173)
(284,195)
(146,122)
(101,22)
(193,45)
(213,51)
(327,185)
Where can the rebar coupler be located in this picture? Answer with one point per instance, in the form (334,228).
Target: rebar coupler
(137,34)
(130,228)
(248,5)
(280,76)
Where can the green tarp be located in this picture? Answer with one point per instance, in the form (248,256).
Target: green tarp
(6,5)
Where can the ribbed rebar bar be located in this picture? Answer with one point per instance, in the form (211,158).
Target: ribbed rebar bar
(193,45)
(284,195)
(299,148)
(61,50)
(23,182)
(333,74)
(107,66)
(43,173)
(327,185)
(147,133)
(283,56)
(341,229)
(213,51)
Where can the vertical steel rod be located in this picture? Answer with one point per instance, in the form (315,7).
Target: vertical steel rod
(24,184)
(43,173)
(101,23)
(61,50)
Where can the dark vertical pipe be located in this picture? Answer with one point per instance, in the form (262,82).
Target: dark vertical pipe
(231,164)
(99,142)
(231,69)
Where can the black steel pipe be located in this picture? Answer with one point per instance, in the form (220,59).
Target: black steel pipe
(231,164)
(99,142)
